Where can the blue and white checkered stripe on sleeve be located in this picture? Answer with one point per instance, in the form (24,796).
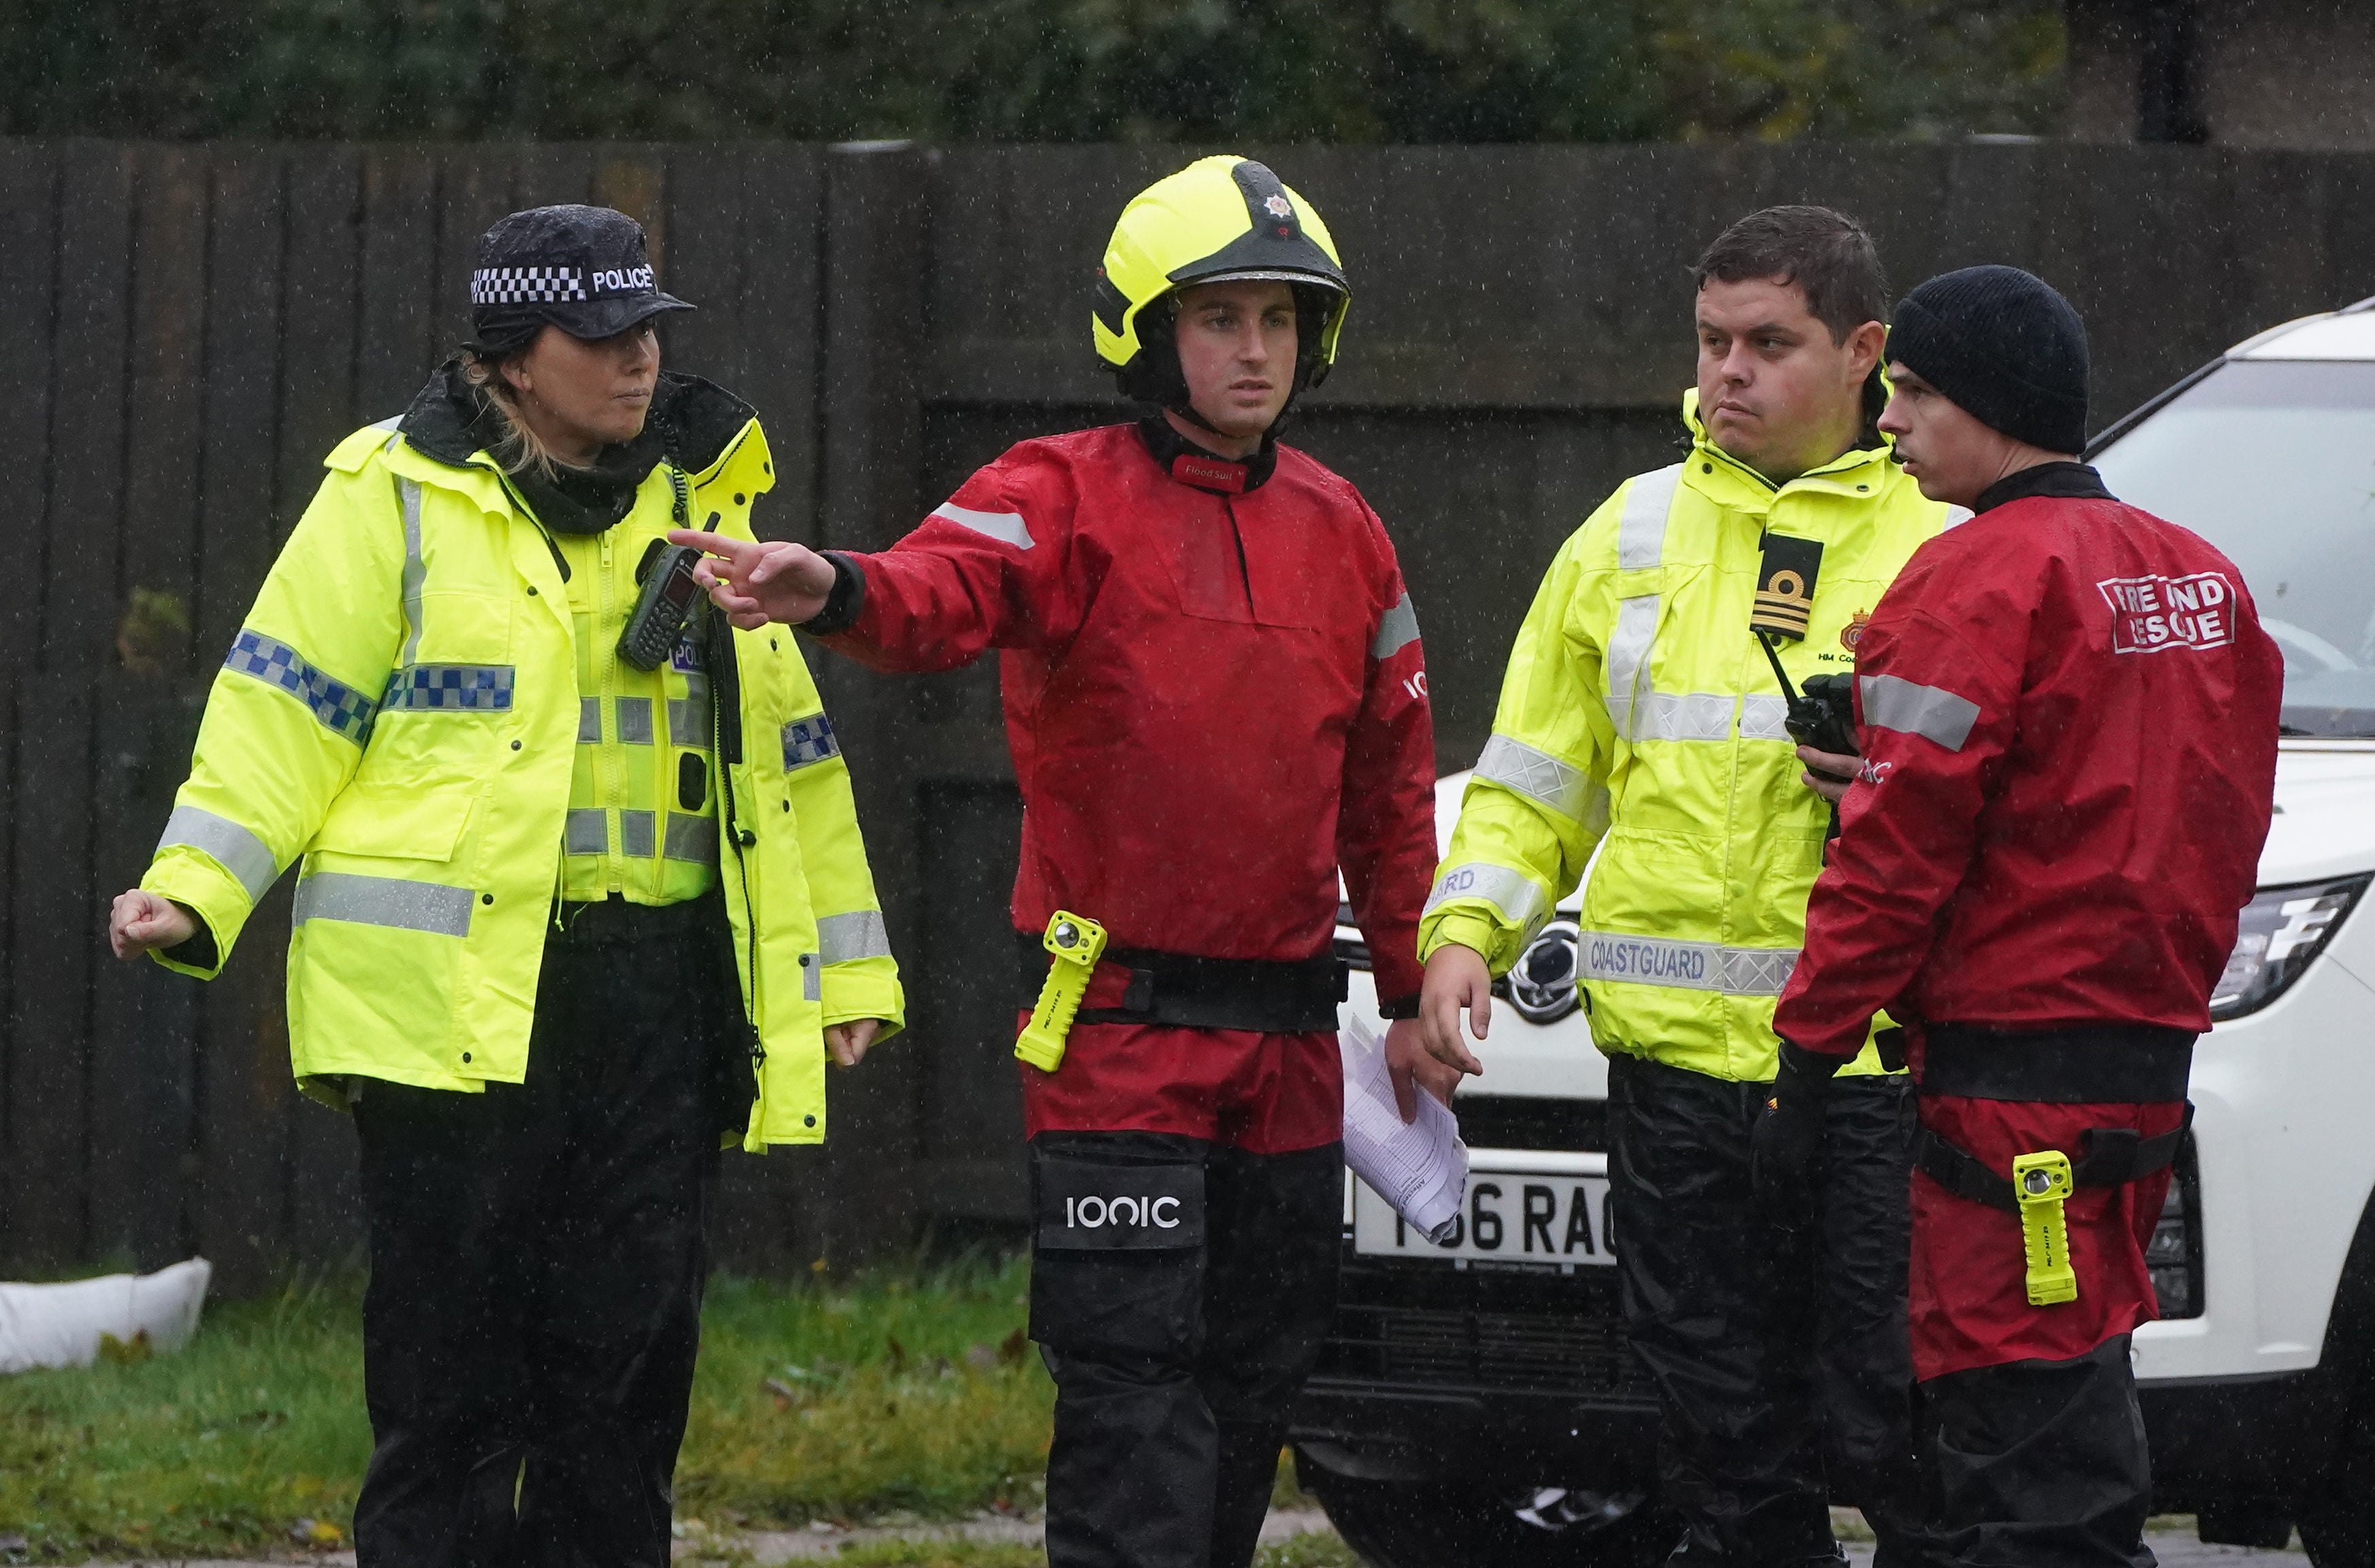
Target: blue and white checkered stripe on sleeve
(339,707)
(485,688)
(808,741)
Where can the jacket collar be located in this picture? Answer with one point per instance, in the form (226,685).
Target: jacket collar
(1192,466)
(2056,481)
(692,422)
(1845,472)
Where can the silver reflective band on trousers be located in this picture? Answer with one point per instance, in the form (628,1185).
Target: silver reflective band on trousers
(1693,966)
(1893,703)
(238,851)
(384,901)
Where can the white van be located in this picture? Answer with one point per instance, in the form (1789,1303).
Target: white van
(1478,1404)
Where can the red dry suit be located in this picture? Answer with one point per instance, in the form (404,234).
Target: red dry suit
(2069,713)
(1215,699)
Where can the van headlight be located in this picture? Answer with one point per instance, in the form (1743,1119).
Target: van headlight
(1543,982)
(2282,931)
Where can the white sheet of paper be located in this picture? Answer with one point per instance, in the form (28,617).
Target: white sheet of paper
(1420,1167)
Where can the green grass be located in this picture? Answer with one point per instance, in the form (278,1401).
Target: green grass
(1323,1550)
(889,1398)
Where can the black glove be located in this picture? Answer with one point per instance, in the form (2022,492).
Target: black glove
(1787,1151)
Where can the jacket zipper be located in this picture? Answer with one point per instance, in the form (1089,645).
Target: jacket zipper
(726,685)
(1245,574)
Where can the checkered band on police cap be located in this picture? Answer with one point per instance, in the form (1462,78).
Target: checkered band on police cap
(525,285)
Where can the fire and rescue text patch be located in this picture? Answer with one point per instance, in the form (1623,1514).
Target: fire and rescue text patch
(2152,615)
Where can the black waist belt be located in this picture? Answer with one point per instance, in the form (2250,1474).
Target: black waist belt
(2108,1064)
(1184,991)
(2109,1157)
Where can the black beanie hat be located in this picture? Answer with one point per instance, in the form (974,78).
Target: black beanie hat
(2007,349)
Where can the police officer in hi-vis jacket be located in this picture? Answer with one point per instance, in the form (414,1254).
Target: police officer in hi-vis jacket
(579,895)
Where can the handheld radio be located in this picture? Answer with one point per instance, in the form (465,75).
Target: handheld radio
(670,592)
(1075,943)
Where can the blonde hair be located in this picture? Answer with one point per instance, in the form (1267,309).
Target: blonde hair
(518,449)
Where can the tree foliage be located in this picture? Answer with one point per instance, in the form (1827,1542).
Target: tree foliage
(1030,70)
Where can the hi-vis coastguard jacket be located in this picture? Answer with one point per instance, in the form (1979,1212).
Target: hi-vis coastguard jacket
(1638,706)
(401,709)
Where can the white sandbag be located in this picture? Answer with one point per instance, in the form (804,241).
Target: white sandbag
(61,1325)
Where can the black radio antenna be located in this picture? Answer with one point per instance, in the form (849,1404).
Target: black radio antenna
(1765,641)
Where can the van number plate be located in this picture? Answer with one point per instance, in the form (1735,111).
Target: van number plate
(1508,1217)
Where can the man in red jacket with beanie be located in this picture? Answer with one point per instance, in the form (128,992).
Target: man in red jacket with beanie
(2069,718)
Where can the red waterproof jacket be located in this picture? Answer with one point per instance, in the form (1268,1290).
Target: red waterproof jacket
(2069,719)
(1214,690)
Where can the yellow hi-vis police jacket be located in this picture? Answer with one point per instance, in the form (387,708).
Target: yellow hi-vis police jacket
(1638,706)
(401,710)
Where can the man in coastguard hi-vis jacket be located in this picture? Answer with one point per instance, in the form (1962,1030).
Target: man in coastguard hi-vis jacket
(1643,716)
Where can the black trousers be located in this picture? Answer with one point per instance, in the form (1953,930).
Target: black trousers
(2042,1464)
(1180,1292)
(1783,1372)
(537,1262)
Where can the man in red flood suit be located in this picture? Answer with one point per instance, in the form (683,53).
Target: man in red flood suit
(1215,700)
(2069,715)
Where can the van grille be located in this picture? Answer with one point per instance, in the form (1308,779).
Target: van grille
(1443,1329)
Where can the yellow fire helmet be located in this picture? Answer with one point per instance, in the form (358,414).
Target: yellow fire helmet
(1219,219)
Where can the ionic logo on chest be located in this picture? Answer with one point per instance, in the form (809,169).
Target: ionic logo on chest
(1096,1213)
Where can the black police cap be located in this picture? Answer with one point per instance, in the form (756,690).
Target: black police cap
(583,270)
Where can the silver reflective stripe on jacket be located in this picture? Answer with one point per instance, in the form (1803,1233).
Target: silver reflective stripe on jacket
(860,934)
(690,837)
(1761,717)
(1692,966)
(1641,530)
(1681,716)
(1640,544)
(1628,660)
(638,834)
(416,568)
(1514,765)
(634,716)
(589,720)
(588,831)
(1893,703)
(1395,631)
(811,978)
(236,849)
(1504,888)
(689,722)
(1008,527)
(384,901)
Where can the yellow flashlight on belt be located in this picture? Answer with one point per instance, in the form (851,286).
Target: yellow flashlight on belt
(2041,1182)
(1074,942)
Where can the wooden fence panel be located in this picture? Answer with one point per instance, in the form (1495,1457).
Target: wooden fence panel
(242,1096)
(193,327)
